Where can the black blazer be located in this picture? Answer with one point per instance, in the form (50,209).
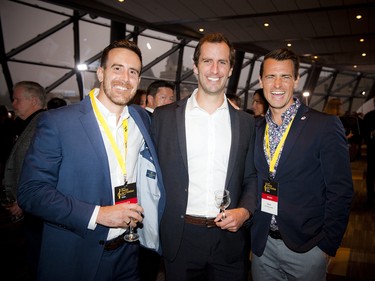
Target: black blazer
(315,184)
(170,138)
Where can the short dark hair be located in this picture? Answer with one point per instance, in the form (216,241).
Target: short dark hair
(282,54)
(56,103)
(33,89)
(126,44)
(152,89)
(214,38)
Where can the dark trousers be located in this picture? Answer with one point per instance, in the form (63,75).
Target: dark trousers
(207,254)
(149,264)
(119,264)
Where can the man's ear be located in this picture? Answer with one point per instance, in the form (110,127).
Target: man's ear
(99,74)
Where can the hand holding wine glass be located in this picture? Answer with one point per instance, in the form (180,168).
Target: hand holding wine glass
(7,202)
(222,201)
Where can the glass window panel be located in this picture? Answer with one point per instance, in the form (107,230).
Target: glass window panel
(4,93)
(68,90)
(57,49)
(89,43)
(187,62)
(20,25)
(357,104)
(255,75)
(317,102)
(90,81)
(323,82)
(343,85)
(364,87)
(243,76)
(151,49)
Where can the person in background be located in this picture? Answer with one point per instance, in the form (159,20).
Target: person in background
(29,100)
(159,92)
(140,98)
(204,144)
(260,104)
(305,186)
(92,172)
(56,103)
(369,136)
(234,100)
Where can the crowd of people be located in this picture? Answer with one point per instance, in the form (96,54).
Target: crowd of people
(85,175)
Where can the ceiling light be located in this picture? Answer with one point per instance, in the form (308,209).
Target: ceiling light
(266,24)
(358,17)
(315,57)
(289,45)
(363,54)
(148,46)
(121,1)
(201,29)
(82,67)
(306,94)
(363,93)
(361,40)
(354,66)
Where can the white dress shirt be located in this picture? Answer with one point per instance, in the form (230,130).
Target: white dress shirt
(208,139)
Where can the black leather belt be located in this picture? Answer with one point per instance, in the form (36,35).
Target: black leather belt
(115,243)
(202,221)
(275,234)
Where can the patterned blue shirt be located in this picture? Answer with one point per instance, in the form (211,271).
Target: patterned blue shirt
(276,132)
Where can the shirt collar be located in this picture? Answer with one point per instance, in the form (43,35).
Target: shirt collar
(287,115)
(192,103)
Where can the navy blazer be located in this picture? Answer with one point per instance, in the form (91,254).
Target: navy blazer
(315,184)
(65,175)
(168,128)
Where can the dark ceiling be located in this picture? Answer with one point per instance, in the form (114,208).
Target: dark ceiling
(327,29)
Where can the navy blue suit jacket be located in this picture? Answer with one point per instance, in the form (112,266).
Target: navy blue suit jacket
(315,184)
(169,133)
(65,175)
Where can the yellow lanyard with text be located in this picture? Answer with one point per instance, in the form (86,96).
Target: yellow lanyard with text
(276,154)
(107,131)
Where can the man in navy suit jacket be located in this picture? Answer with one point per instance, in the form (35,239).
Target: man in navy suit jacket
(204,144)
(304,180)
(83,163)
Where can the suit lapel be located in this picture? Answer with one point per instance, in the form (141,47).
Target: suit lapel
(235,128)
(299,122)
(91,127)
(181,129)
(259,156)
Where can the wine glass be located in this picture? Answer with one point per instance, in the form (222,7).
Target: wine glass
(131,236)
(222,200)
(8,200)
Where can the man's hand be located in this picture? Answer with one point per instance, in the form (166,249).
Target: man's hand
(120,215)
(232,219)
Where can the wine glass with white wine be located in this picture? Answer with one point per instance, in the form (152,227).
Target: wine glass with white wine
(222,200)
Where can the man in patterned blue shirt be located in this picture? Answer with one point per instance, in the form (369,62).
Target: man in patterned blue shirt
(304,180)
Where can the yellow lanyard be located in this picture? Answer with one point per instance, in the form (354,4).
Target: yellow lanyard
(107,131)
(276,154)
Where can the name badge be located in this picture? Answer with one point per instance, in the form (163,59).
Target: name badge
(126,193)
(269,203)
